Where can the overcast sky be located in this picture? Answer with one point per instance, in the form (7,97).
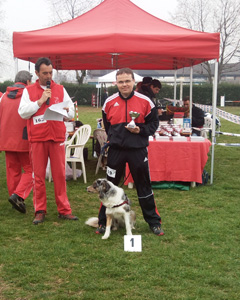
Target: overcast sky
(26,15)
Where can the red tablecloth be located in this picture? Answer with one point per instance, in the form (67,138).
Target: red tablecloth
(176,160)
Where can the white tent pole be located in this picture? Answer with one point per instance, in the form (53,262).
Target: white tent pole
(181,91)
(58,77)
(175,87)
(191,91)
(97,96)
(16,65)
(214,104)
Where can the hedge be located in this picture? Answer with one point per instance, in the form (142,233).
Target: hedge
(201,93)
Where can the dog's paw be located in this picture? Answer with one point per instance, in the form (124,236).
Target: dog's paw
(105,237)
(129,233)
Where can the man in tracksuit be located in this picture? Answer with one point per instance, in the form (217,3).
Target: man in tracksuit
(129,145)
(46,139)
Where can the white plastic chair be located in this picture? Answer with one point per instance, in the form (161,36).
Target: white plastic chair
(101,136)
(74,149)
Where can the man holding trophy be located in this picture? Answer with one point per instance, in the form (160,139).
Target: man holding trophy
(129,119)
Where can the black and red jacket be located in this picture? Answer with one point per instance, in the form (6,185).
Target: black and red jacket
(116,116)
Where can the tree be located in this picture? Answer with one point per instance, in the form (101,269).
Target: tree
(64,10)
(5,43)
(213,16)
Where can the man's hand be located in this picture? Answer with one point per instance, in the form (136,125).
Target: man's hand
(45,95)
(135,130)
(65,119)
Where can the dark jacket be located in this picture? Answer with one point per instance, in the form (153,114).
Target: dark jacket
(197,118)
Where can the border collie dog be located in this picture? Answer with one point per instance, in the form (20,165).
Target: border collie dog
(118,207)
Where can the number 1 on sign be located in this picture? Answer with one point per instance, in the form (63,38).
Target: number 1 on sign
(132,240)
(133,243)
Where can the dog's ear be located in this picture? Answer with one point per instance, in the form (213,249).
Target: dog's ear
(97,183)
(105,186)
(94,185)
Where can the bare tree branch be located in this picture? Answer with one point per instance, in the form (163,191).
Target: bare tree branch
(213,16)
(64,10)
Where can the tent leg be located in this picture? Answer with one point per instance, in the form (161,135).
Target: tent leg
(16,65)
(191,92)
(214,104)
(175,87)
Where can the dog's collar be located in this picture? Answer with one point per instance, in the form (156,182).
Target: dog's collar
(125,202)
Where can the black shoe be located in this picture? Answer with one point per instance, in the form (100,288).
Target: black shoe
(39,218)
(68,217)
(101,229)
(157,230)
(17,203)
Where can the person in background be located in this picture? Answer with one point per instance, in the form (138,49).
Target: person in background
(197,116)
(138,86)
(151,89)
(143,87)
(13,140)
(46,139)
(105,95)
(155,87)
(129,145)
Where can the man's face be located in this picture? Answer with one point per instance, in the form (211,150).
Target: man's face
(125,84)
(187,104)
(44,74)
(155,90)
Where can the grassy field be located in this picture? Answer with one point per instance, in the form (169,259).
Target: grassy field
(198,258)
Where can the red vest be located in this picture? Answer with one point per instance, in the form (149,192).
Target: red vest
(40,130)
(11,124)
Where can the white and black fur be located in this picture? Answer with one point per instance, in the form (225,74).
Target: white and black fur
(118,207)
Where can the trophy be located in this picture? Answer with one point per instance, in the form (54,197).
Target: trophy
(133,115)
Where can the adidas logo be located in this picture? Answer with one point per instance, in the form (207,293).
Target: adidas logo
(116,104)
(145,159)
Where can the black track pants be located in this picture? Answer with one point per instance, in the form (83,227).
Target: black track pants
(138,165)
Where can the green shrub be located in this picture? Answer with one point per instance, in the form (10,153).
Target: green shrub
(202,93)
(5,84)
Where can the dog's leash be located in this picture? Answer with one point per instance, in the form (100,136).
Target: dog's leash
(104,148)
(125,179)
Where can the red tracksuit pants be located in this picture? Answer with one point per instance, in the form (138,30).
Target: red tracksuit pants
(19,173)
(40,151)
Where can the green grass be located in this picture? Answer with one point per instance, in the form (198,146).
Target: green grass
(198,258)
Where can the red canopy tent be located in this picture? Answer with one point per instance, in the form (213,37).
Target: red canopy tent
(117,34)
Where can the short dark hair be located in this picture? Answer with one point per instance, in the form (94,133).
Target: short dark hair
(23,76)
(42,60)
(186,99)
(147,80)
(125,71)
(156,83)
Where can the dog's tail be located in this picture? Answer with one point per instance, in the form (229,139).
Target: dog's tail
(93,222)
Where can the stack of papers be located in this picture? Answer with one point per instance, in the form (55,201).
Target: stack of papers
(56,112)
(197,139)
(162,138)
(179,138)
